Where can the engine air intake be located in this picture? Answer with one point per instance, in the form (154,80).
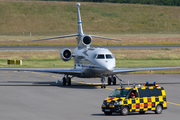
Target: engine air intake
(87,40)
(66,54)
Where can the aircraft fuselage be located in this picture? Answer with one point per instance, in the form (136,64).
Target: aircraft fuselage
(93,62)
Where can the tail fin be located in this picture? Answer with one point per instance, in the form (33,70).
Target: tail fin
(80,30)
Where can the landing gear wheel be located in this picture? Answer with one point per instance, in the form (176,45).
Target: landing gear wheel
(109,81)
(103,80)
(158,109)
(114,82)
(64,81)
(108,113)
(69,81)
(103,86)
(124,110)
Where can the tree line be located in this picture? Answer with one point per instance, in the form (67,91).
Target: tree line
(153,2)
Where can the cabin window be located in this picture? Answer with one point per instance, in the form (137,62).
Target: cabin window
(109,56)
(100,56)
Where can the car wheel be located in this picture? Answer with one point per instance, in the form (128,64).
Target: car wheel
(124,110)
(108,113)
(158,109)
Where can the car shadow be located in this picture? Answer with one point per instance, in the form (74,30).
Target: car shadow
(118,114)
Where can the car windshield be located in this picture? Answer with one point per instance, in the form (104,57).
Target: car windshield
(100,56)
(119,93)
(109,56)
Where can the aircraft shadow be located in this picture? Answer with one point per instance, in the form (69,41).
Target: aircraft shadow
(31,83)
(73,85)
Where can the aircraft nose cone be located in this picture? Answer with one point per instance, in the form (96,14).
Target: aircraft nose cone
(109,67)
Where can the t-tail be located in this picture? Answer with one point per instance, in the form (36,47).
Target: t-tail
(80,30)
(83,40)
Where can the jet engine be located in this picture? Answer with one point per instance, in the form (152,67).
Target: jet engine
(86,40)
(66,54)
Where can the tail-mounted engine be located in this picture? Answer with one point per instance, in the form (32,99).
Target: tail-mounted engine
(86,41)
(66,54)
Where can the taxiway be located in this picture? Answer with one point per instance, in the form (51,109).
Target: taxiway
(32,95)
(110,47)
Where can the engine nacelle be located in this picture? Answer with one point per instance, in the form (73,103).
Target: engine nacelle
(66,54)
(86,40)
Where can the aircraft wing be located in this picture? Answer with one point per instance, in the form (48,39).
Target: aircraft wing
(126,70)
(59,71)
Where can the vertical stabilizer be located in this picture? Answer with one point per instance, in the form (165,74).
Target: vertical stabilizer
(81,38)
(80,30)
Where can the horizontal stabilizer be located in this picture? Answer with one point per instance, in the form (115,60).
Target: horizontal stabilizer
(105,38)
(64,36)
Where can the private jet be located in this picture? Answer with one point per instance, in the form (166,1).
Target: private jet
(89,62)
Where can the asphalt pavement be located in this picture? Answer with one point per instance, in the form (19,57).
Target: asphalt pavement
(32,95)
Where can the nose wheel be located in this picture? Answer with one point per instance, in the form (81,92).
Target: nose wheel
(103,80)
(103,86)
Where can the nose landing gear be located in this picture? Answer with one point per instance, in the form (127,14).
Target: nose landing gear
(103,80)
(111,80)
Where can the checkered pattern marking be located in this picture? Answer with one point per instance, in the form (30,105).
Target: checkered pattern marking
(140,103)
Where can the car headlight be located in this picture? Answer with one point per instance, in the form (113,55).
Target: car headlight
(118,103)
(103,103)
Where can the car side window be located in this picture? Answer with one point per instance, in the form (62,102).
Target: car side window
(144,92)
(155,92)
(133,94)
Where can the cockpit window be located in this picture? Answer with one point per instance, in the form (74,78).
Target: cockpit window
(109,56)
(100,56)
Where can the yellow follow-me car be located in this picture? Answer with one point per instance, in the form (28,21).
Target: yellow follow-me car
(136,98)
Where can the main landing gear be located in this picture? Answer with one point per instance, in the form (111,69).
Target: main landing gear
(65,79)
(112,80)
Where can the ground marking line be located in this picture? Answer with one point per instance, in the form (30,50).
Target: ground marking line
(23,76)
(40,74)
(173,103)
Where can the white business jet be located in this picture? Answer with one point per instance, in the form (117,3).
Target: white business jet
(89,62)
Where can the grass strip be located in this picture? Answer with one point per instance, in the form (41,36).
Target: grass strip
(124,59)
